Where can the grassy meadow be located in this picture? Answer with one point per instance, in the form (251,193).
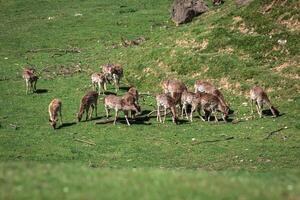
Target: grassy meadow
(235,47)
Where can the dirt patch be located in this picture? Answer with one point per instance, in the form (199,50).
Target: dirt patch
(227,50)
(51,72)
(235,88)
(282,67)
(192,43)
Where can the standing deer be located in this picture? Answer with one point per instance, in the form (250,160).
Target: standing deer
(54,109)
(119,104)
(30,79)
(204,86)
(260,97)
(87,101)
(113,72)
(99,79)
(167,102)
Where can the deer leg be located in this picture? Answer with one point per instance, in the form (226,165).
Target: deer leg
(87,113)
(215,115)
(34,86)
(27,85)
(259,108)
(185,110)
(126,117)
(191,115)
(96,110)
(165,113)
(158,114)
(99,90)
(116,116)
(106,111)
(251,103)
(199,113)
(183,106)
(105,87)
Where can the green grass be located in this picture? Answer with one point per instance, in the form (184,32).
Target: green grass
(233,47)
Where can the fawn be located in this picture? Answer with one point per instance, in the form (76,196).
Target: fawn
(260,97)
(54,109)
(132,97)
(167,102)
(113,72)
(120,104)
(204,86)
(87,101)
(30,79)
(99,79)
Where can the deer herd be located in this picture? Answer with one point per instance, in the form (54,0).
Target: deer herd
(205,98)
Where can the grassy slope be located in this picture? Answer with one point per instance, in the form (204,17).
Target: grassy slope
(234,47)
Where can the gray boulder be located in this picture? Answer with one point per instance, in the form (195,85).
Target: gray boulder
(184,11)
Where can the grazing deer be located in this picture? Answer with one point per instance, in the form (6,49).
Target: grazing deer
(187,98)
(211,104)
(99,79)
(113,72)
(167,102)
(30,79)
(204,86)
(54,109)
(120,104)
(132,97)
(87,101)
(260,97)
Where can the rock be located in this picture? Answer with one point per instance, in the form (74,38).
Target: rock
(184,11)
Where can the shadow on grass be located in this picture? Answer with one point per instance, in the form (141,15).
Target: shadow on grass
(108,93)
(269,113)
(64,125)
(41,91)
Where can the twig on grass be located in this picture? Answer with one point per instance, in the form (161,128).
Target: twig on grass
(273,133)
(210,141)
(84,141)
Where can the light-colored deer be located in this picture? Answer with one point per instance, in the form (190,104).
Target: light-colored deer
(99,81)
(113,72)
(87,101)
(260,97)
(119,104)
(54,109)
(174,87)
(30,79)
(167,102)
(204,86)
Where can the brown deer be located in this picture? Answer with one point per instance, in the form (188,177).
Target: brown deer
(30,79)
(211,104)
(204,86)
(99,79)
(54,109)
(113,72)
(167,102)
(259,96)
(187,98)
(132,97)
(87,101)
(119,104)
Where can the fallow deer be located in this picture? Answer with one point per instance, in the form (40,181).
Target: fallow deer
(119,104)
(211,104)
(87,101)
(204,86)
(259,96)
(167,102)
(54,109)
(99,80)
(132,97)
(113,72)
(30,79)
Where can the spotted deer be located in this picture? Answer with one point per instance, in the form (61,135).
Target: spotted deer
(120,104)
(260,97)
(113,72)
(30,79)
(211,104)
(167,102)
(54,109)
(132,97)
(87,101)
(204,86)
(99,82)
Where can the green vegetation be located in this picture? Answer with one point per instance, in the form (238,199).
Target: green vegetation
(234,47)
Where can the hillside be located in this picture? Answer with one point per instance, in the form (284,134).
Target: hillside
(235,47)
